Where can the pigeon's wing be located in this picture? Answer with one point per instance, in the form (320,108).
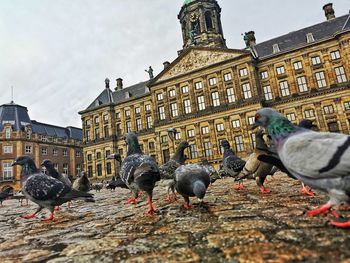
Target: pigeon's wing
(42,187)
(167,170)
(234,163)
(317,154)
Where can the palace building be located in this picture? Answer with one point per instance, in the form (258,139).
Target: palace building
(211,92)
(19,135)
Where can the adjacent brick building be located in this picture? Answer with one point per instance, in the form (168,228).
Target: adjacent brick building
(210,92)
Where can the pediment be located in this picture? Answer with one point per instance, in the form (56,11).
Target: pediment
(196,59)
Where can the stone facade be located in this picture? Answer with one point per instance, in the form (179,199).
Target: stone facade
(212,93)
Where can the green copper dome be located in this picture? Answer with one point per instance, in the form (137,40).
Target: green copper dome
(186,2)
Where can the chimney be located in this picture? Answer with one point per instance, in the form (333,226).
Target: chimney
(119,84)
(329,11)
(166,64)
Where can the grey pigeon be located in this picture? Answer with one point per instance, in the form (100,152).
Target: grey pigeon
(192,180)
(139,171)
(6,193)
(44,190)
(98,186)
(318,159)
(257,169)
(214,175)
(53,172)
(82,183)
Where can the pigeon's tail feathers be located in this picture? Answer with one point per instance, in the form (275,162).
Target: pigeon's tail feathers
(75,194)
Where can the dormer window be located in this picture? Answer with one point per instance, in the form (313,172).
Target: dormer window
(8,133)
(309,38)
(275,48)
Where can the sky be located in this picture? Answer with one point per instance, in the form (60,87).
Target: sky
(57,53)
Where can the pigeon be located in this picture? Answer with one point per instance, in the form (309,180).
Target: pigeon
(44,190)
(98,187)
(231,164)
(5,194)
(214,175)
(53,172)
(82,183)
(116,180)
(318,159)
(253,167)
(192,180)
(139,171)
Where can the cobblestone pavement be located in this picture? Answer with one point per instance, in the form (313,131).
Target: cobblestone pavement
(243,226)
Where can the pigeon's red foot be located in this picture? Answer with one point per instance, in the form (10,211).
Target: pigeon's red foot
(264,190)
(50,218)
(187,206)
(171,198)
(29,216)
(307,191)
(132,200)
(240,186)
(151,211)
(340,224)
(323,209)
(57,208)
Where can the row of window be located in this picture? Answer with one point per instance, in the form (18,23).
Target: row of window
(28,149)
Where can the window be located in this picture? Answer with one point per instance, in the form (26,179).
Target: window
(264,75)
(243,72)
(316,60)
(149,122)
(284,88)
(321,79)
(99,169)
(89,171)
(227,77)
(120,151)
(109,168)
(151,145)
(138,125)
(246,91)
(161,113)
(178,136)
(340,73)
(236,124)
(137,110)
(190,133)
(55,165)
(298,65)
(106,131)
(164,138)
(212,81)
(127,113)
(148,107)
(128,126)
(239,143)
(174,112)
(275,48)
(205,130)
(108,153)
(43,151)
(187,106)
(97,120)
(309,113)
(280,70)
(7,149)
(253,138)
(309,38)
(28,149)
(65,152)
(105,118)
(207,149)
(251,120)
(8,133)
(230,95)
(215,98)
(118,129)
(172,93)
(193,151)
(220,147)
(98,155)
(65,168)
(97,133)
(335,55)
(184,89)
(117,115)
(198,85)
(302,85)
(166,155)
(7,168)
(160,96)
(201,103)
(89,157)
(267,92)
(220,127)
(291,117)
(347,105)
(208,21)
(87,123)
(328,109)
(28,135)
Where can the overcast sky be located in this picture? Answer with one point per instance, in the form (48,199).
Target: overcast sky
(57,53)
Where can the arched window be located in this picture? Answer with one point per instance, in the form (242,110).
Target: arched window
(196,27)
(208,21)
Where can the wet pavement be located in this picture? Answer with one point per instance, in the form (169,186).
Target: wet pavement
(234,226)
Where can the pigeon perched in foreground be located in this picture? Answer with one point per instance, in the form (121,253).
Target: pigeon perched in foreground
(192,180)
(116,180)
(318,159)
(44,190)
(139,171)
(255,168)
(5,194)
(231,164)
(82,183)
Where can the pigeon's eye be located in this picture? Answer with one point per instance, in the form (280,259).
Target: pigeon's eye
(257,116)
